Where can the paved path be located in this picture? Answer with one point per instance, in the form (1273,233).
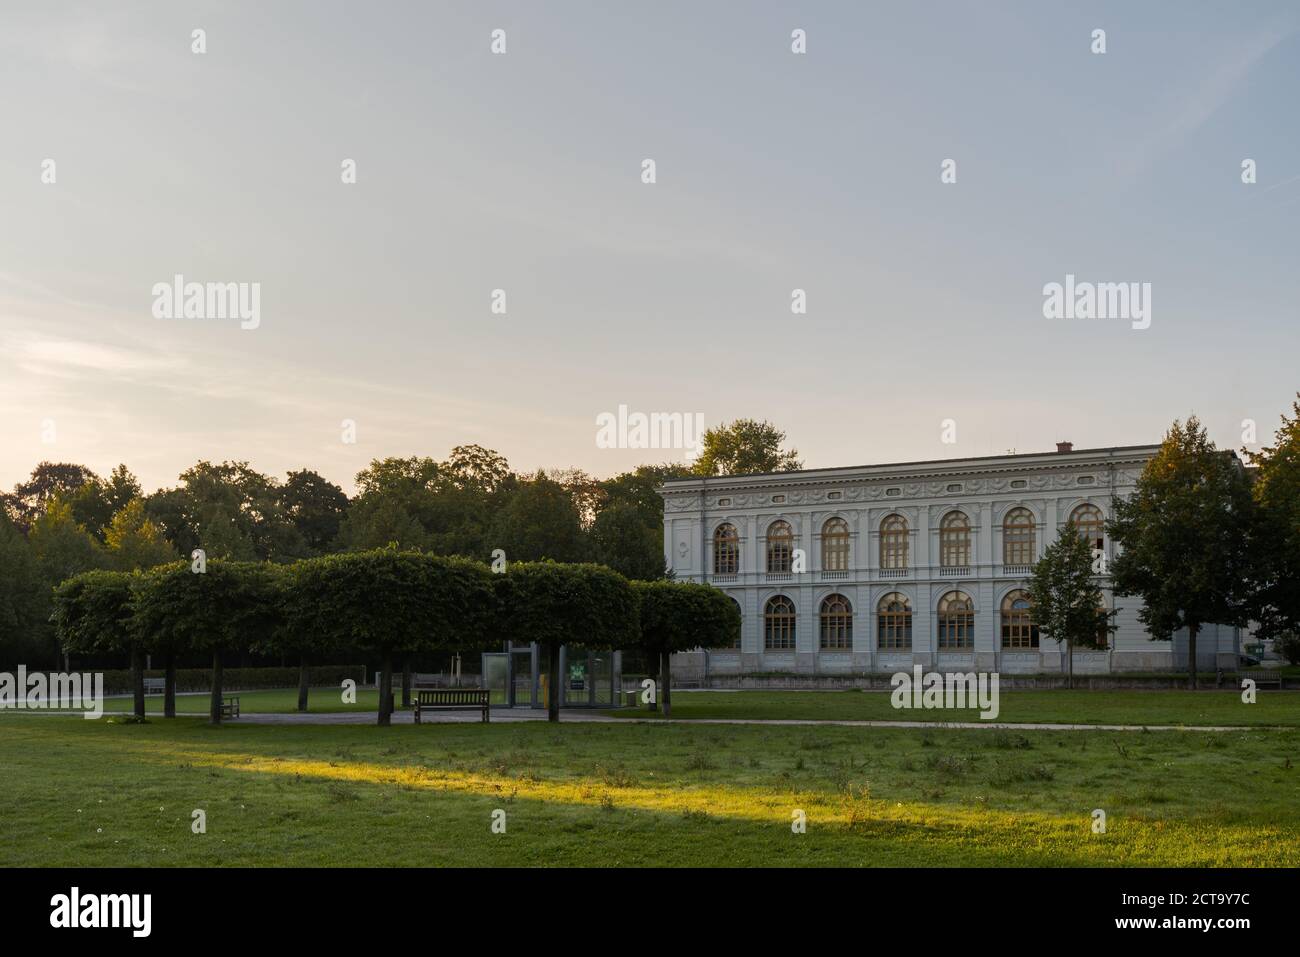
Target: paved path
(583,717)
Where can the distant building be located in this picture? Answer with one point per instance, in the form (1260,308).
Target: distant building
(881,567)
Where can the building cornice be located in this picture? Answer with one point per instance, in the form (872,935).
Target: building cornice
(1024,465)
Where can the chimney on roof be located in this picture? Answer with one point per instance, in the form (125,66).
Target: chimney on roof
(1065,446)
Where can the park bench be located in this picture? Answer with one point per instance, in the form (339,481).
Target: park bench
(155,685)
(1263,678)
(452,699)
(230,706)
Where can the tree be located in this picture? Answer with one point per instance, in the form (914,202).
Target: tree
(92,615)
(576,605)
(315,507)
(446,508)
(21,605)
(48,481)
(540,521)
(1184,537)
(744,447)
(230,511)
(681,616)
(389,602)
(132,542)
(640,489)
(62,549)
(1069,606)
(621,540)
(230,607)
(1275,538)
(97,501)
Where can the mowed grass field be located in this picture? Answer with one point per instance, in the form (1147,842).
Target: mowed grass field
(99,793)
(1199,708)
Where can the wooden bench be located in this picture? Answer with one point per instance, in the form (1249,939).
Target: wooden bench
(230,706)
(452,699)
(155,685)
(1263,678)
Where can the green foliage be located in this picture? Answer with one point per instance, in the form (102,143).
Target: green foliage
(48,481)
(232,606)
(1275,539)
(681,616)
(97,501)
(575,605)
(621,540)
(315,507)
(386,602)
(1287,644)
(1068,602)
(133,542)
(1183,535)
(539,521)
(230,511)
(21,607)
(63,548)
(745,447)
(92,613)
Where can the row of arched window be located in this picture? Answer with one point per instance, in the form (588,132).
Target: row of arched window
(956,623)
(1019,541)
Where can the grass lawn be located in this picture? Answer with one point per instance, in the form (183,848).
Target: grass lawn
(86,793)
(1216,708)
(1220,708)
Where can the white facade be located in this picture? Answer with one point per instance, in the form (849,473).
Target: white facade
(1051,486)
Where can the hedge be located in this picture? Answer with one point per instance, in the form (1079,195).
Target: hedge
(118,681)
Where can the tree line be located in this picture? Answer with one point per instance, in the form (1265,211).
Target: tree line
(66,519)
(386,604)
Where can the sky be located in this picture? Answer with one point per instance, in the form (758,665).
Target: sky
(924,335)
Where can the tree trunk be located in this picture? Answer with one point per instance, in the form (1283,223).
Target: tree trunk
(654,696)
(1069,664)
(1191,655)
(302,683)
(406,682)
(665,680)
(137,681)
(169,686)
(386,691)
(553,682)
(214,708)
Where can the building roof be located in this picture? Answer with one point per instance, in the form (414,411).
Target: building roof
(1007,462)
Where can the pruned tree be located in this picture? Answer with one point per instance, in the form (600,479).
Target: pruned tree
(92,615)
(390,603)
(230,607)
(579,605)
(681,616)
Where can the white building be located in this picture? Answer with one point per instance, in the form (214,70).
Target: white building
(878,568)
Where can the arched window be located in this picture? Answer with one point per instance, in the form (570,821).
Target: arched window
(780,546)
(835,545)
(837,624)
(1088,523)
(734,645)
(1018,537)
(894,623)
(954,540)
(893,542)
(778,624)
(956,622)
(1018,627)
(726,550)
